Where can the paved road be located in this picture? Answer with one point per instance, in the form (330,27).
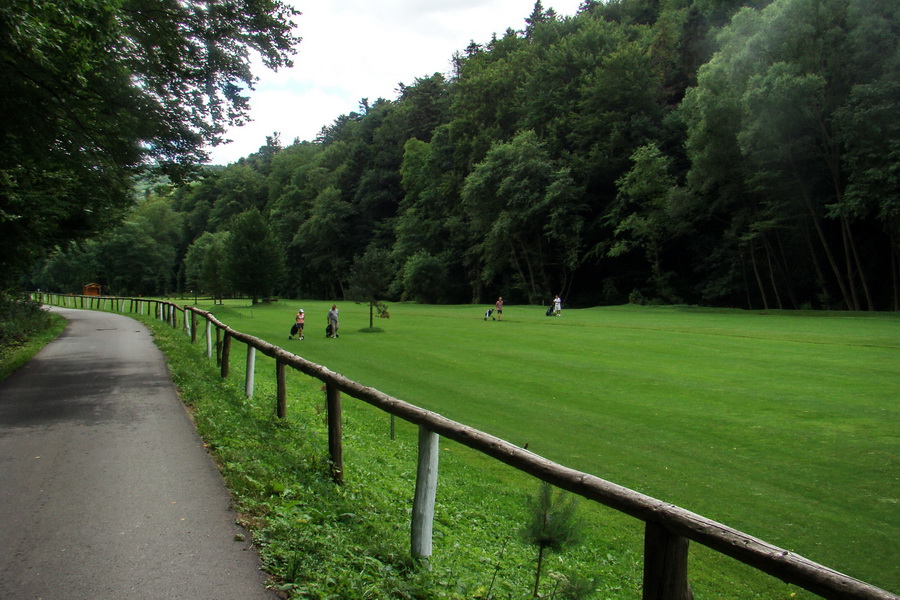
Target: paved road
(106,491)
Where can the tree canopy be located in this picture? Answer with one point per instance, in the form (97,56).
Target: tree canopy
(94,91)
(728,152)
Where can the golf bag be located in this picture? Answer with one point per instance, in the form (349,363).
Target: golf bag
(550,310)
(328,330)
(295,329)
(488,314)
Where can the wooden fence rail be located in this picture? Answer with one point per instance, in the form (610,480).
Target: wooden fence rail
(668,528)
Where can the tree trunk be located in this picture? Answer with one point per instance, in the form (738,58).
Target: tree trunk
(759,283)
(530,280)
(895,273)
(515,258)
(772,273)
(783,266)
(859,268)
(828,254)
(537,575)
(744,276)
(815,260)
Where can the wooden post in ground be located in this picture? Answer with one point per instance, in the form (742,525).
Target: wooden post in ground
(226,350)
(281,391)
(335,444)
(251,371)
(665,565)
(218,346)
(426,491)
(208,338)
(193,327)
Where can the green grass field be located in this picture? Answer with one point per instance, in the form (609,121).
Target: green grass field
(783,425)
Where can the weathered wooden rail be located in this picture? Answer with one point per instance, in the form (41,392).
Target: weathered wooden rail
(668,528)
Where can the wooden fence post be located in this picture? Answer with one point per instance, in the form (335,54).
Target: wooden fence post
(226,350)
(251,371)
(208,338)
(193,327)
(218,346)
(665,565)
(426,491)
(281,391)
(335,444)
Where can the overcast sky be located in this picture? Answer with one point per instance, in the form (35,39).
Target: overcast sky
(355,49)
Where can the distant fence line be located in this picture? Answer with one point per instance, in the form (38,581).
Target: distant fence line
(668,528)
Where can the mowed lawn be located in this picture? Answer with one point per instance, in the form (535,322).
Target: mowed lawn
(783,425)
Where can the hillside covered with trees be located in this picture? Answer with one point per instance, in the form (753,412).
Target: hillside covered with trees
(724,152)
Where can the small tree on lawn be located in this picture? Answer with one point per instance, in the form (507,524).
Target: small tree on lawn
(370,280)
(552,525)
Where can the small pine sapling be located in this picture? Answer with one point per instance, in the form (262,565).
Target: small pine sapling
(552,524)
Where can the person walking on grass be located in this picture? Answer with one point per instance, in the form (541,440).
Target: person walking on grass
(498,308)
(333,321)
(297,329)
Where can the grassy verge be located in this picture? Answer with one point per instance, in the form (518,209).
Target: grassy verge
(781,424)
(320,540)
(427,355)
(24,330)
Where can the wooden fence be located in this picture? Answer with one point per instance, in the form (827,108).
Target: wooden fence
(668,528)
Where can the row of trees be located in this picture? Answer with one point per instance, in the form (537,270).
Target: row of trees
(728,152)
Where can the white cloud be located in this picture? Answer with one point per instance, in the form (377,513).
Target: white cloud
(354,49)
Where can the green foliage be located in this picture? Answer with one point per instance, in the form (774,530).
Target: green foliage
(762,135)
(552,525)
(100,89)
(726,152)
(643,215)
(423,276)
(689,405)
(525,210)
(205,264)
(20,317)
(254,261)
(24,329)
(318,539)
(370,280)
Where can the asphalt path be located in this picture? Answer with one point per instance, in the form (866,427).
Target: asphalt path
(106,491)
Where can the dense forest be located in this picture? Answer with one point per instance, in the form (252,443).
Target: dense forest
(721,152)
